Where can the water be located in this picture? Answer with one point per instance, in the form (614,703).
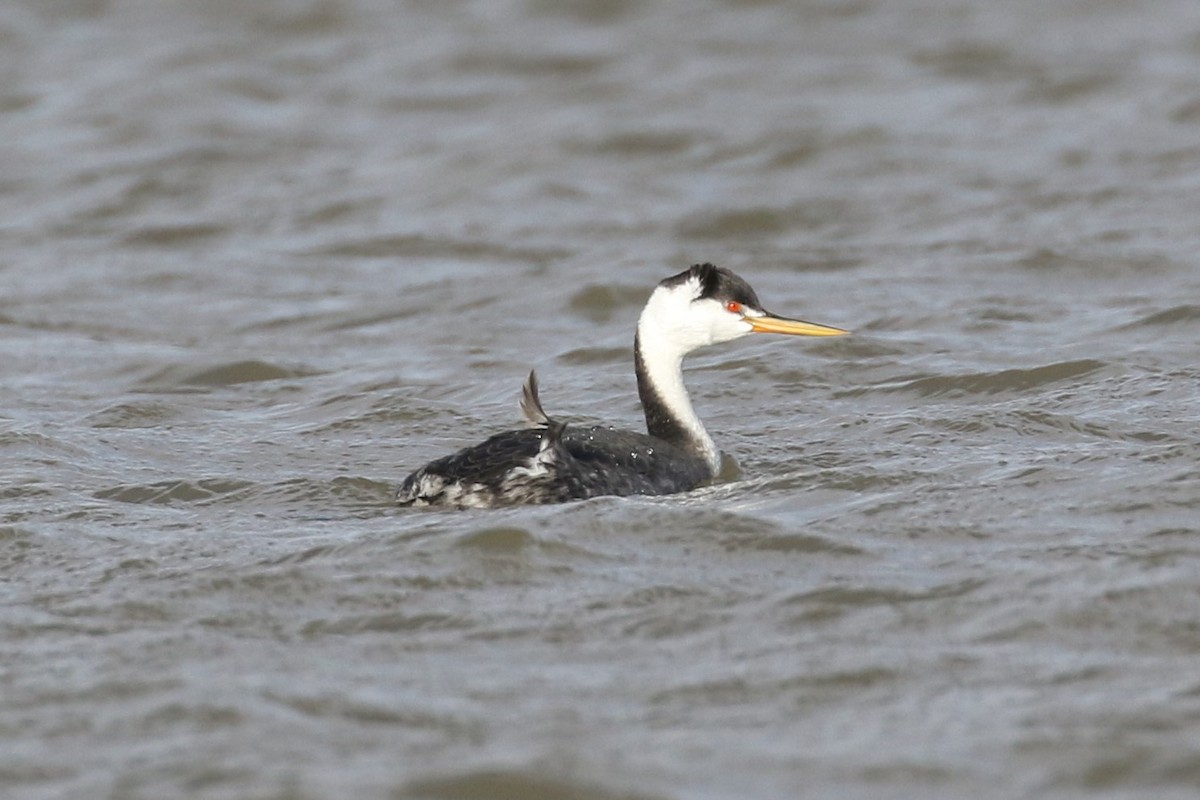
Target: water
(261,260)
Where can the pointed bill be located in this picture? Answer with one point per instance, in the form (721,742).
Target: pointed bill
(794,327)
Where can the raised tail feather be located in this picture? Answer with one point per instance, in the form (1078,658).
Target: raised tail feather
(535,415)
(531,405)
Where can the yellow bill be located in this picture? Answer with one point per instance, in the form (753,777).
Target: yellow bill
(794,327)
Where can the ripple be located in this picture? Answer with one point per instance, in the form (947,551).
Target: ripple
(386,622)
(590,11)
(974,61)
(856,596)
(38,445)
(343,491)
(1057,90)
(794,543)
(201,716)
(363,708)
(12,533)
(173,235)
(529,64)
(147,414)
(764,221)
(663,611)
(985,383)
(639,143)
(815,686)
(1040,422)
(25,492)
(177,491)
(1171,316)
(512,540)
(182,376)
(499,539)
(600,303)
(1050,260)
(653,595)
(501,784)
(584,356)
(422,100)
(419,246)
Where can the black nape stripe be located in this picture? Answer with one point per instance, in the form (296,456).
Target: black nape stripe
(660,422)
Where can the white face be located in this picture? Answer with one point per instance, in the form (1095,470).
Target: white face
(685,322)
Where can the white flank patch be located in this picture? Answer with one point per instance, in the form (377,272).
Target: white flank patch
(474,496)
(534,468)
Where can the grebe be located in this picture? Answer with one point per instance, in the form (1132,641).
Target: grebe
(552,462)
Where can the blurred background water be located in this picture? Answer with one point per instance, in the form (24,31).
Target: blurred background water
(259,260)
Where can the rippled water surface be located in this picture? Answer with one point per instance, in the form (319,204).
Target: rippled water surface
(259,260)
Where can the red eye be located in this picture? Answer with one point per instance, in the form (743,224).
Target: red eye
(734,306)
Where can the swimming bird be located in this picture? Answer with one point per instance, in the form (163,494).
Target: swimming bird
(553,462)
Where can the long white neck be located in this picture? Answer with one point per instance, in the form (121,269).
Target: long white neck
(665,401)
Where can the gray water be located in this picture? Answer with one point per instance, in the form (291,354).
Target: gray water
(260,260)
